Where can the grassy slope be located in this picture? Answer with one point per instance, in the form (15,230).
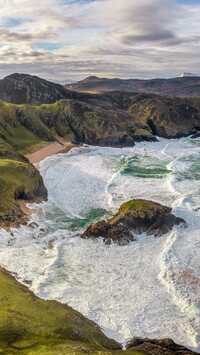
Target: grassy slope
(29,325)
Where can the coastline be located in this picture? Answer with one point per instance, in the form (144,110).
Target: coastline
(35,158)
(50,149)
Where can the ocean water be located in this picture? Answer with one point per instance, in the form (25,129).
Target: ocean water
(150,287)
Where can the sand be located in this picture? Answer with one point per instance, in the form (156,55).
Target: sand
(50,149)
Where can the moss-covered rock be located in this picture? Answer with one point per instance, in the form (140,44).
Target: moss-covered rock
(133,218)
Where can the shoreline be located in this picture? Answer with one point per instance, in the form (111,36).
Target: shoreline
(36,157)
(49,150)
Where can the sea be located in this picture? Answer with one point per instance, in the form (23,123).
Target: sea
(148,288)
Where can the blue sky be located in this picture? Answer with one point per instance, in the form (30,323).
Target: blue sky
(72,39)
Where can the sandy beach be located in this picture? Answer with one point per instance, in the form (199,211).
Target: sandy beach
(50,149)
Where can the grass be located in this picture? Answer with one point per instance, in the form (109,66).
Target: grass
(29,325)
(138,205)
(132,205)
(21,138)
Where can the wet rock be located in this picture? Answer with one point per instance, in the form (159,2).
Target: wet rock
(133,218)
(157,347)
(33,225)
(196,135)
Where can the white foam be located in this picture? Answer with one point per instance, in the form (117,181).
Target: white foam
(131,290)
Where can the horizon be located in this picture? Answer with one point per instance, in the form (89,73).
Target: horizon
(74,39)
(63,81)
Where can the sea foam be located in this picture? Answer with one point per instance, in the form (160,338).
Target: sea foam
(147,288)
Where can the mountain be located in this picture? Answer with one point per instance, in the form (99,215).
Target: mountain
(186,74)
(24,88)
(184,86)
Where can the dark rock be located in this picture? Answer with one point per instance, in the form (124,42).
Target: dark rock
(196,135)
(157,347)
(134,217)
(33,225)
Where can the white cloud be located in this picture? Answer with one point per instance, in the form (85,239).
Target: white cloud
(114,37)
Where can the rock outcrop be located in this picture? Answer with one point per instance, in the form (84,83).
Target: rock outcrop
(157,347)
(133,218)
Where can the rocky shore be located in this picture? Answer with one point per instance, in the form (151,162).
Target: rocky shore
(133,218)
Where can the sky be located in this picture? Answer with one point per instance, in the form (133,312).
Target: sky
(63,40)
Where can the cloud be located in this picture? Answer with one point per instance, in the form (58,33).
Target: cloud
(124,38)
(7,36)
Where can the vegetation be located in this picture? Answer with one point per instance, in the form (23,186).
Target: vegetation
(113,119)
(29,326)
(18,179)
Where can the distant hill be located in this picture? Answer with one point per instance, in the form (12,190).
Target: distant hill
(184,86)
(24,88)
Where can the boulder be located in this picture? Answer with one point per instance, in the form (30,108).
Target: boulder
(133,218)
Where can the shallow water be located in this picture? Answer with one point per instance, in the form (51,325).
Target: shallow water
(147,288)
